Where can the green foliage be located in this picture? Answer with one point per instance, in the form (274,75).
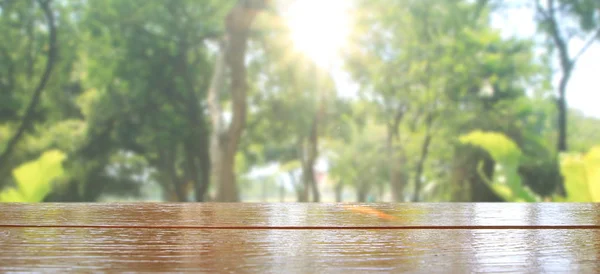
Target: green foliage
(127,101)
(587,12)
(584,132)
(359,159)
(34,179)
(507,155)
(582,176)
(581,172)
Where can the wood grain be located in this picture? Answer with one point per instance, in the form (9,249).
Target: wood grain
(214,215)
(299,251)
(300,238)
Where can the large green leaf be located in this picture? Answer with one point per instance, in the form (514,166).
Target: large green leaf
(592,160)
(34,179)
(500,147)
(507,182)
(582,176)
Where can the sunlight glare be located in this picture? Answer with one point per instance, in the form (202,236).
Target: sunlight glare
(319,28)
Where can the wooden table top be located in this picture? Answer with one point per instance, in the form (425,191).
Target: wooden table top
(300,238)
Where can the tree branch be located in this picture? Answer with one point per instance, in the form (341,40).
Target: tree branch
(424,153)
(8,88)
(587,44)
(397,120)
(541,10)
(559,41)
(27,119)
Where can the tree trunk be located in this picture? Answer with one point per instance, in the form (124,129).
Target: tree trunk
(308,179)
(201,186)
(197,166)
(420,164)
(168,168)
(28,117)
(361,196)
(190,167)
(361,192)
(227,190)
(562,114)
(301,191)
(423,158)
(480,190)
(396,180)
(567,66)
(224,142)
(197,144)
(310,151)
(316,194)
(303,186)
(339,188)
(459,179)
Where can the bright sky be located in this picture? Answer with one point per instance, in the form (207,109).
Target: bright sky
(320,28)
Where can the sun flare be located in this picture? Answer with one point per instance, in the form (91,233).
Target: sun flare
(319,28)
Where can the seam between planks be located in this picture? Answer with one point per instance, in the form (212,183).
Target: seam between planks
(468,227)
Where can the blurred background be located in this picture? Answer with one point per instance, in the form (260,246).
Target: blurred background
(299,100)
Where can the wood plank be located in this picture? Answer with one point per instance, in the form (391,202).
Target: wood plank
(211,215)
(299,251)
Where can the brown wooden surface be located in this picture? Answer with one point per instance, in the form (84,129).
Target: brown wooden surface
(300,238)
